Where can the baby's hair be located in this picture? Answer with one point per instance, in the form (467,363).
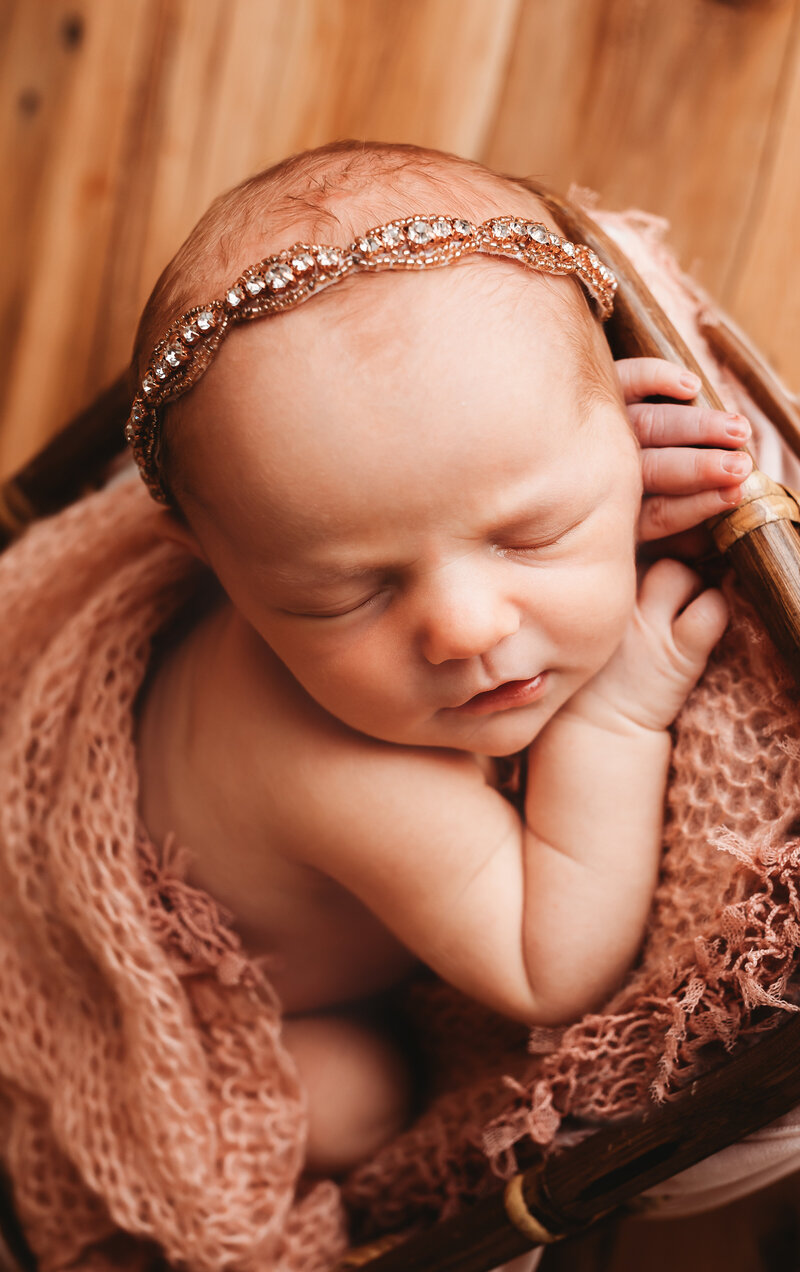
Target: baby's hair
(332,194)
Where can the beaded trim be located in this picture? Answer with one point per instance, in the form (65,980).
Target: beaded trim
(289,277)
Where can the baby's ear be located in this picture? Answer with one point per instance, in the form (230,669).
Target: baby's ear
(169,527)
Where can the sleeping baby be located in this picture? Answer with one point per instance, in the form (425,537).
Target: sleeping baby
(419,499)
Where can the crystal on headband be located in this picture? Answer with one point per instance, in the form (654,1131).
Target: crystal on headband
(328,257)
(175,355)
(292,276)
(279,277)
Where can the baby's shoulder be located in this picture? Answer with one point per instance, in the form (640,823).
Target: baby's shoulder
(311,765)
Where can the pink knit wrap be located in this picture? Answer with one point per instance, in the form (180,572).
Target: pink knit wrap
(146,1100)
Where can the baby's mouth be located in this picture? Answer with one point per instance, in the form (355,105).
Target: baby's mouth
(513,693)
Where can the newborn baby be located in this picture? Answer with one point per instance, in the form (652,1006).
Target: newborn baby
(419,496)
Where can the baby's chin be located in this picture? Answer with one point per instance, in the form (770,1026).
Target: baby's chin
(500,737)
(504,733)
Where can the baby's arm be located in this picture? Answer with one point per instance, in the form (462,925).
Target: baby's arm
(540,921)
(596,781)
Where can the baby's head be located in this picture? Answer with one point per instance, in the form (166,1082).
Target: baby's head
(416,486)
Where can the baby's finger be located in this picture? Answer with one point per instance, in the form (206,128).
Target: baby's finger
(666,588)
(646,377)
(667,424)
(664,515)
(686,471)
(698,628)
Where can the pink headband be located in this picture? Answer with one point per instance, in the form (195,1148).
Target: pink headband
(289,277)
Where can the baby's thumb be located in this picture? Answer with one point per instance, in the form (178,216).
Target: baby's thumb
(697,629)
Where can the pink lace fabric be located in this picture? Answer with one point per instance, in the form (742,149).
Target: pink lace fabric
(147,1106)
(145,1087)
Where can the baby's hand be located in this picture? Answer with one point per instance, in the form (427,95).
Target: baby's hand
(690,461)
(674,627)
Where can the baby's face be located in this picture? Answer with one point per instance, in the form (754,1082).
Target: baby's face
(410,506)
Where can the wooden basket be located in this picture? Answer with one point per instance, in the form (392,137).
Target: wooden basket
(760,539)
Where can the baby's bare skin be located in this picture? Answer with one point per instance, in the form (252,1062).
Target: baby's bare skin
(213,719)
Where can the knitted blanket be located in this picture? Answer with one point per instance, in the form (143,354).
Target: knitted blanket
(147,1105)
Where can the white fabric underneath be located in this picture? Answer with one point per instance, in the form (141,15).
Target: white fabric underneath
(525,1262)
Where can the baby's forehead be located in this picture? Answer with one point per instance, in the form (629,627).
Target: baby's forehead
(384,319)
(443,362)
(424,338)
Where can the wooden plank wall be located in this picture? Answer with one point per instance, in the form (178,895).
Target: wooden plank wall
(121,119)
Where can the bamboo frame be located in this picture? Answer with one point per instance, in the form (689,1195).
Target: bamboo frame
(574,1188)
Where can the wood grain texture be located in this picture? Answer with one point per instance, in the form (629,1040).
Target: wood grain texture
(684,111)
(120,122)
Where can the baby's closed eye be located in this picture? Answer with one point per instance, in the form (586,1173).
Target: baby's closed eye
(338,611)
(536,545)
(527,544)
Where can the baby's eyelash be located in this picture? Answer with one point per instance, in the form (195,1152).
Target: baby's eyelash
(532,547)
(336,613)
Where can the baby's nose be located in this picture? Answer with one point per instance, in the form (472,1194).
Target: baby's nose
(465,618)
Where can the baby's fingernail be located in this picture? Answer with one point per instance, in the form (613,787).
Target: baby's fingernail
(737,426)
(737,465)
(730,495)
(690,381)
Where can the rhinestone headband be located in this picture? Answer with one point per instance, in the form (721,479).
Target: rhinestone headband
(288,278)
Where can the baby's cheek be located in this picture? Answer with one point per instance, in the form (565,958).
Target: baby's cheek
(613,593)
(360,682)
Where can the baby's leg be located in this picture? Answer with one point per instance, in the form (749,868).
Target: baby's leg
(359,1087)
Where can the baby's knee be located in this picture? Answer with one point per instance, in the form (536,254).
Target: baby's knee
(359,1088)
